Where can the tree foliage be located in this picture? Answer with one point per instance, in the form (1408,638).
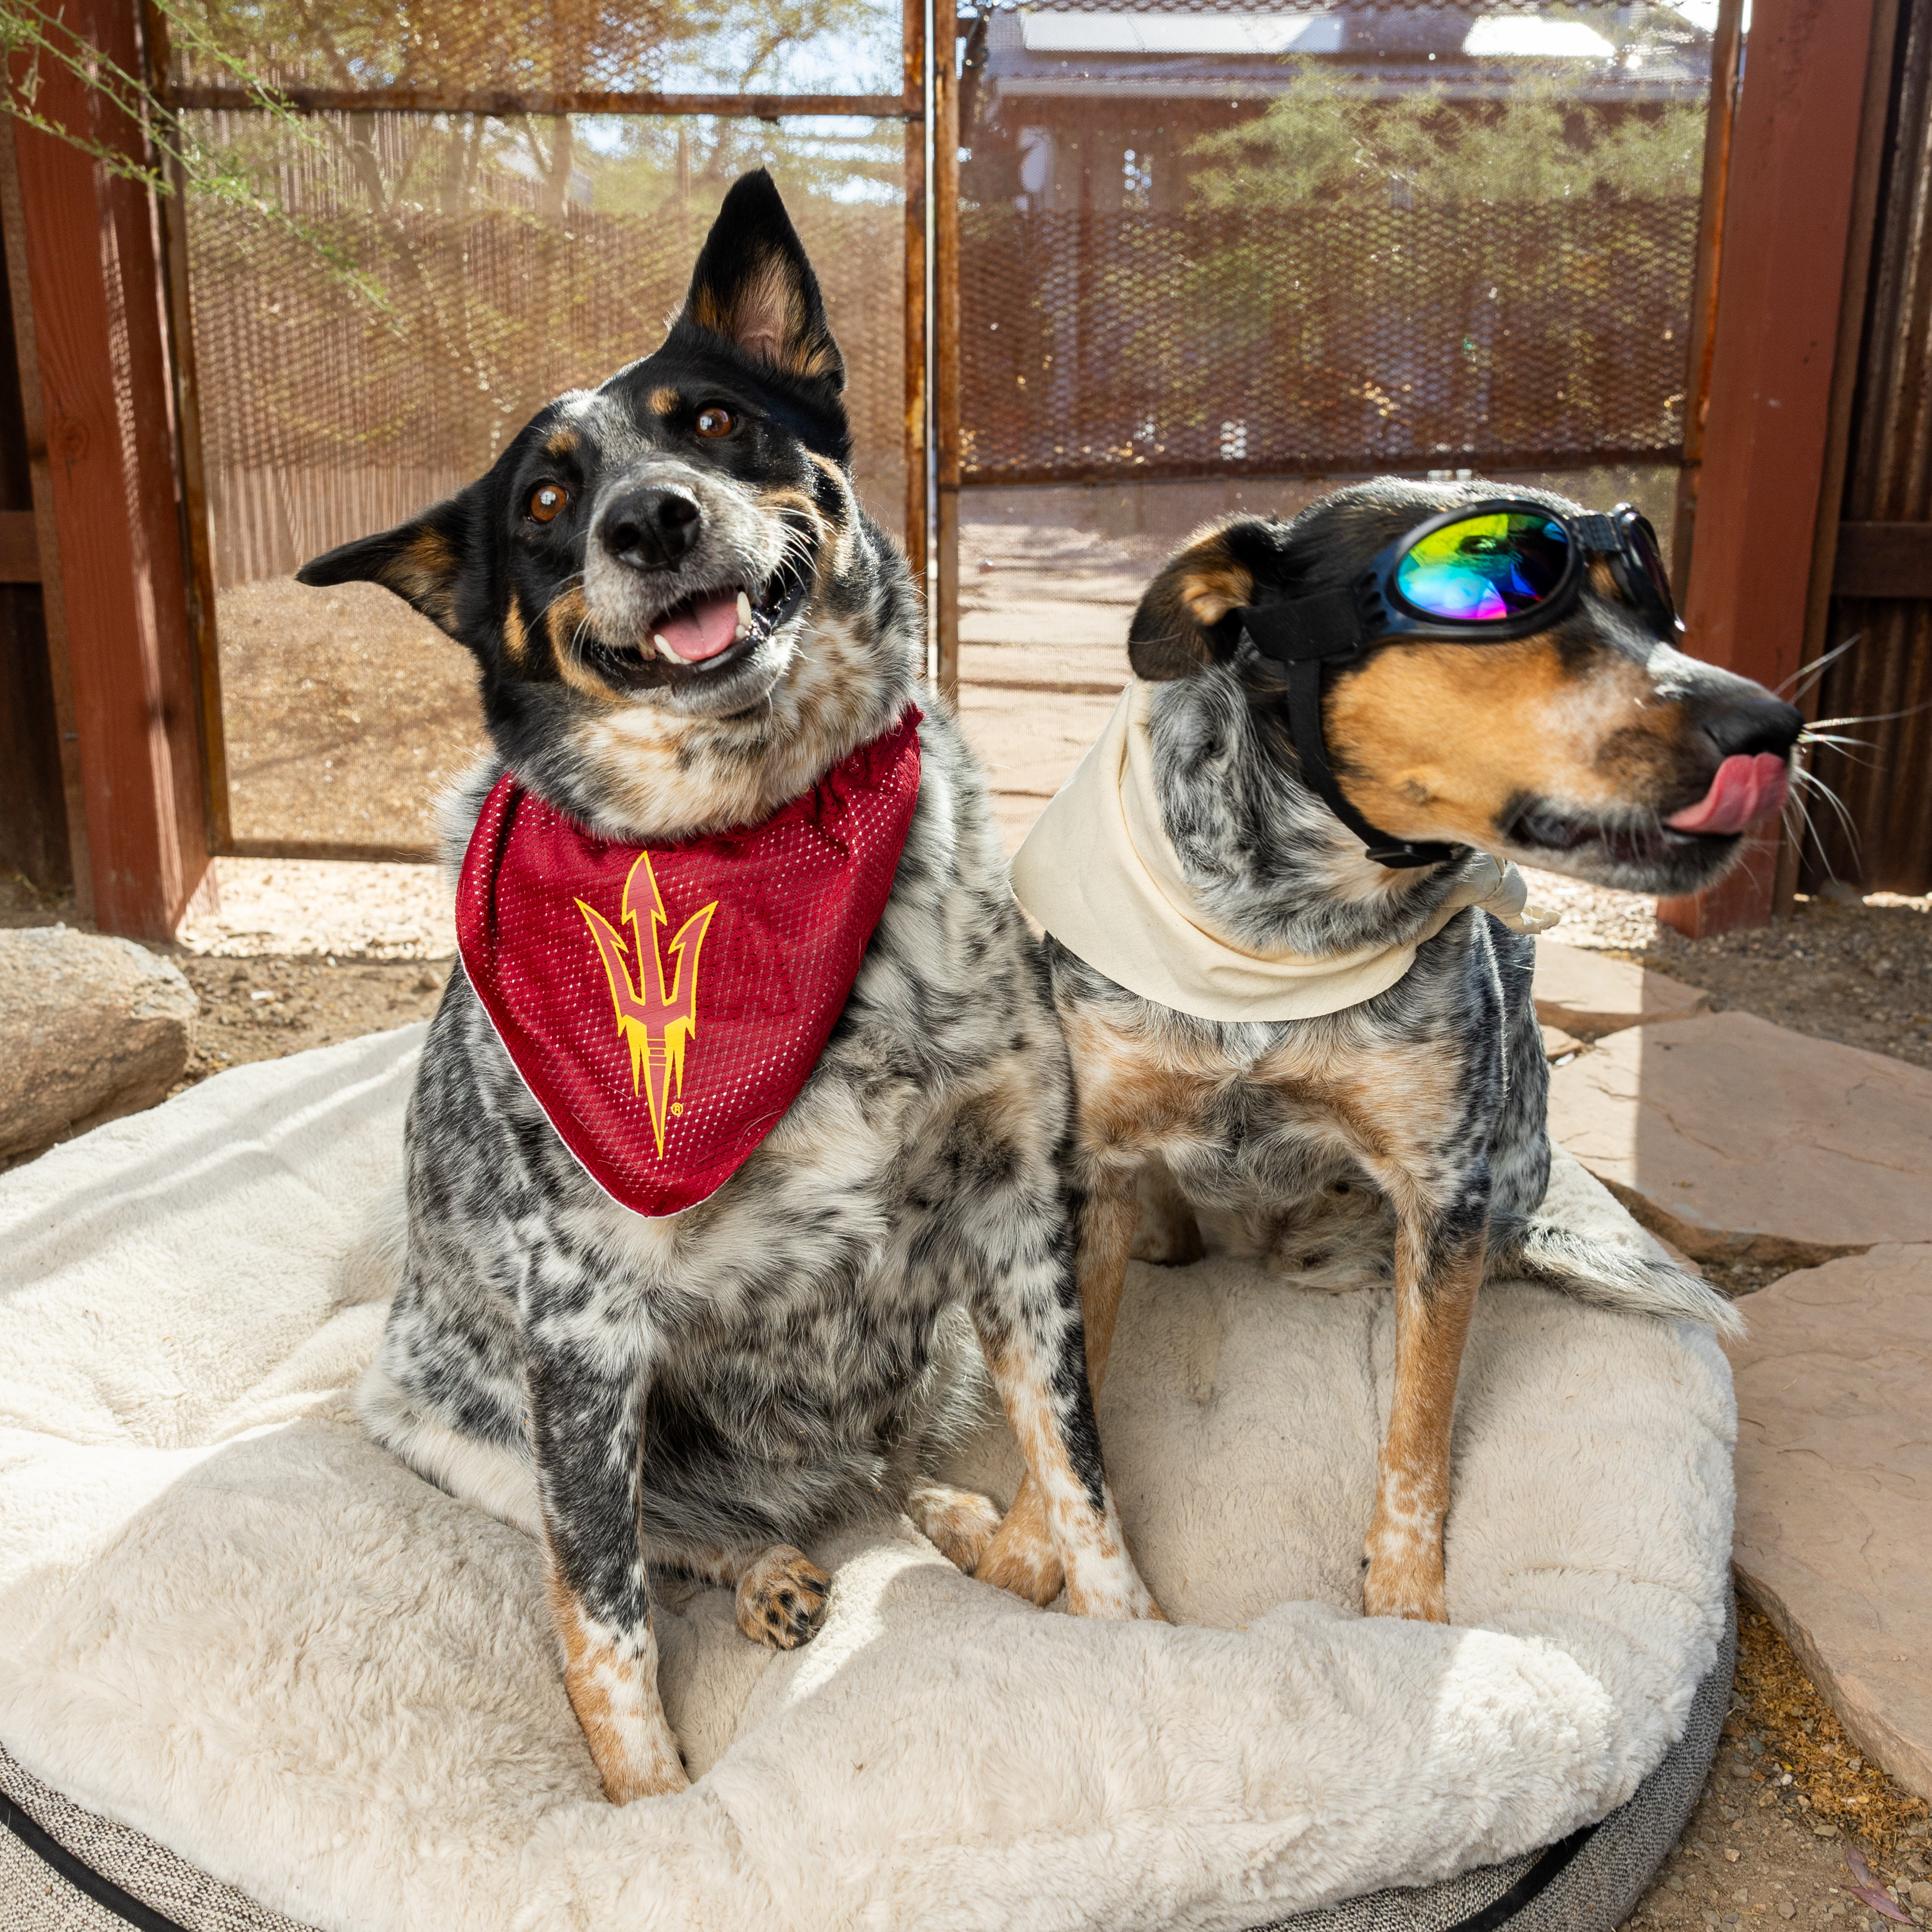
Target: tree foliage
(1322,141)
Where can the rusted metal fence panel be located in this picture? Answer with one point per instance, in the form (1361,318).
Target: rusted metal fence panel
(474,207)
(1462,336)
(337,399)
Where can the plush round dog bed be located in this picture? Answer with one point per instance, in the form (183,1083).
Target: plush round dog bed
(253,1672)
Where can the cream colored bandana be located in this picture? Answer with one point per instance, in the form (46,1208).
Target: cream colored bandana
(1098,871)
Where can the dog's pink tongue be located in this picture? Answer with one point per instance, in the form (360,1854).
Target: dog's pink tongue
(703,627)
(1745,790)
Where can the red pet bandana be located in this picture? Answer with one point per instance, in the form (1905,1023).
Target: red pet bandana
(665,1006)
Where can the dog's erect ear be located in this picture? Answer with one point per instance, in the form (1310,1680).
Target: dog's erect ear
(754,286)
(420,561)
(1181,623)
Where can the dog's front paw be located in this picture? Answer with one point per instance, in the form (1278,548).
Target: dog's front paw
(1405,1579)
(1021,1557)
(958,1523)
(782,1597)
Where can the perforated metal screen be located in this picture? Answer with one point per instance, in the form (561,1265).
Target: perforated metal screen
(1108,344)
(1220,256)
(1218,238)
(443,277)
(399,291)
(520,50)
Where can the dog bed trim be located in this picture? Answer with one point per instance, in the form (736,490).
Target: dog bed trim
(81,1876)
(125,1906)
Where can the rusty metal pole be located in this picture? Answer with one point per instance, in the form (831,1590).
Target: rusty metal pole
(196,530)
(945,339)
(917,505)
(1725,41)
(1853,300)
(53,601)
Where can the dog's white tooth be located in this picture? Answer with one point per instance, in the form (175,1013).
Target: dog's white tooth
(664,649)
(744,613)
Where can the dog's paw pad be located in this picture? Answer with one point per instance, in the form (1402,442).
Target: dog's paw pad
(958,1523)
(782,1598)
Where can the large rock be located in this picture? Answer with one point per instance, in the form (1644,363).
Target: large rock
(1737,1139)
(1590,994)
(1834,1534)
(90,1028)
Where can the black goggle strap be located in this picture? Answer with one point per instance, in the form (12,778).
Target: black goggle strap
(1305,637)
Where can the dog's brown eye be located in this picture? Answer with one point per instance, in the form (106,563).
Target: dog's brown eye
(547,501)
(716,422)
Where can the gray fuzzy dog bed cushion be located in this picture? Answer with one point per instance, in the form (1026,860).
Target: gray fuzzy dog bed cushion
(231,1625)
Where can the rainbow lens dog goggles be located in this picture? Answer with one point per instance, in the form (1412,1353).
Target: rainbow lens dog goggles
(1482,573)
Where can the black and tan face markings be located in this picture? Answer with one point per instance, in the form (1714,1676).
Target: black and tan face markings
(1440,740)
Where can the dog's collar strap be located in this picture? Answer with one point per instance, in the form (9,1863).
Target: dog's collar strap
(665,1005)
(1305,637)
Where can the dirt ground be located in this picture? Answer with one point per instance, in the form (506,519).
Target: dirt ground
(1789,1806)
(345,714)
(263,1008)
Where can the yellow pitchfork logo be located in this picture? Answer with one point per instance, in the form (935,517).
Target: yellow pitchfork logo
(654,1022)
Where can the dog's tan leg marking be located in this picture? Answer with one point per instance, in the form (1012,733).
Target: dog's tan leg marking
(1404,1545)
(1101,1579)
(1023,1556)
(958,1523)
(612,1680)
(782,1597)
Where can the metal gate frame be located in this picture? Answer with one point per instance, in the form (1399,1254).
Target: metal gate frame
(911,105)
(949,476)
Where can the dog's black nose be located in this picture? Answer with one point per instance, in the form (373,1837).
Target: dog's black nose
(1749,720)
(650,529)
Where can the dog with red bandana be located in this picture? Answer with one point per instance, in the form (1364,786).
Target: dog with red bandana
(743,1134)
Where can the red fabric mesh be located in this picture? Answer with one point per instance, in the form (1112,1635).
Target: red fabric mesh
(591,992)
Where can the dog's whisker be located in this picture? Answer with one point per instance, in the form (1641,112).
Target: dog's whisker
(1838,805)
(1874,717)
(1802,679)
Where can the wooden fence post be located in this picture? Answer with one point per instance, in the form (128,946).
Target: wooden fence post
(94,255)
(1794,165)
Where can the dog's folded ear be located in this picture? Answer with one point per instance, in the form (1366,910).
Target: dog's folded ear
(754,286)
(1183,622)
(420,561)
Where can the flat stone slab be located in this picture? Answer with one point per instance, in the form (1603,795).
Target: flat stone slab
(1833,1535)
(90,1028)
(1737,1139)
(1590,994)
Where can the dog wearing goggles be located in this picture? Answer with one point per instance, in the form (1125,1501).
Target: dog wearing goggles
(1341,728)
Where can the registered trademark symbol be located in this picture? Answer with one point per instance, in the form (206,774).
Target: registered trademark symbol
(677,1106)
